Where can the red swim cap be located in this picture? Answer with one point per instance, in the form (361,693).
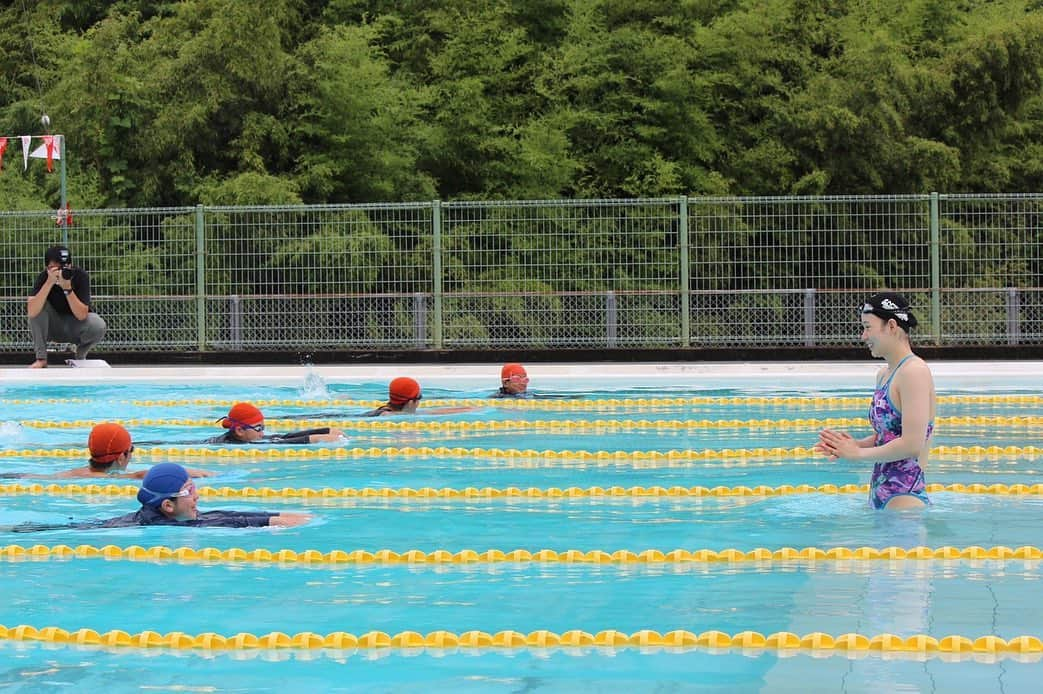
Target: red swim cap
(512,369)
(242,413)
(107,442)
(402,390)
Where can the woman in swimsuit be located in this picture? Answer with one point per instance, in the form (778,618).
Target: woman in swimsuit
(902,412)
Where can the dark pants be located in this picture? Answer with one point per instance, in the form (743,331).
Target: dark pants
(51,326)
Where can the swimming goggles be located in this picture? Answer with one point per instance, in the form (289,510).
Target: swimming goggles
(243,425)
(159,496)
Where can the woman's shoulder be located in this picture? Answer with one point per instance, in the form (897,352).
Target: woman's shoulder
(914,373)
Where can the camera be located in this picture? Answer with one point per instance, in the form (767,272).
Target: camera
(67,272)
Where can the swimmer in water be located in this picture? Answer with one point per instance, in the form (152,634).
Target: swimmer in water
(111,449)
(168,496)
(404,396)
(902,411)
(245,424)
(514,382)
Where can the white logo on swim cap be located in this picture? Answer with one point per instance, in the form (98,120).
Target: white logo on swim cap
(902,315)
(889,305)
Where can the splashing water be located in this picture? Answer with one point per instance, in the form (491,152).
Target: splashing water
(10,431)
(314,386)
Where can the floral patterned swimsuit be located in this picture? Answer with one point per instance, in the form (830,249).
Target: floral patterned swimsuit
(900,477)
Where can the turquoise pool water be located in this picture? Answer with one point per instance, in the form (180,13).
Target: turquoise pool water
(966,597)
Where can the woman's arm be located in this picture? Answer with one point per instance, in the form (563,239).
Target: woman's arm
(912,391)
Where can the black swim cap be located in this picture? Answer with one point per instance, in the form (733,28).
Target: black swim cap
(889,305)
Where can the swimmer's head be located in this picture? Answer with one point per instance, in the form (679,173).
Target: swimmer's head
(245,421)
(891,306)
(162,482)
(107,442)
(512,369)
(513,378)
(402,390)
(242,414)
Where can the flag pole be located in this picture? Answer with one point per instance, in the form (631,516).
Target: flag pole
(63,202)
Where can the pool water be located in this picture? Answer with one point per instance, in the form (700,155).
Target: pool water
(725,435)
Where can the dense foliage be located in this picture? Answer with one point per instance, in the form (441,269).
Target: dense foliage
(313,101)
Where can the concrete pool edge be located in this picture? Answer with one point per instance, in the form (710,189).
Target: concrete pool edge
(1018,374)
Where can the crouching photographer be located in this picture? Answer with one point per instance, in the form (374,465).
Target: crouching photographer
(60,307)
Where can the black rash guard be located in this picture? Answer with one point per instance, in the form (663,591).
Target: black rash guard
(380,410)
(147,515)
(504,393)
(291,437)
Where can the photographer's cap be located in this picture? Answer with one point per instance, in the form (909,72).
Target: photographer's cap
(57,254)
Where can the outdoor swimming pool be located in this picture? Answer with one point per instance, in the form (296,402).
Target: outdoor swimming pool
(657,527)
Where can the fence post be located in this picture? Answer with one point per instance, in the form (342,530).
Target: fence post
(200,280)
(1013,317)
(611,319)
(235,324)
(63,192)
(685,281)
(420,319)
(436,273)
(936,273)
(809,317)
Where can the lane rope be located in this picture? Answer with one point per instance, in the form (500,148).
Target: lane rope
(511,425)
(470,556)
(409,493)
(549,404)
(339,453)
(818,642)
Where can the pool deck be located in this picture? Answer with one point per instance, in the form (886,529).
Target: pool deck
(969,374)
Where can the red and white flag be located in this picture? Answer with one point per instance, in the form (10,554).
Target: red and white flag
(3,148)
(27,141)
(49,150)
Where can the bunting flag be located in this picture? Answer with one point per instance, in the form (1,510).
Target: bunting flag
(49,150)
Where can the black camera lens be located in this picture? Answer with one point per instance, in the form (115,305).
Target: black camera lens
(66,273)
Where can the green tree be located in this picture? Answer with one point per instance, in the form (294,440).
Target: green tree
(624,92)
(356,126)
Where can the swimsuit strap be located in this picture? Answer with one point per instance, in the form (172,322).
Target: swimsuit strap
(887,384)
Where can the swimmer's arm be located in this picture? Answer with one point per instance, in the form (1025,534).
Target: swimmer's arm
(332,435)
(840,444)
(449,410)
(289,520)
(191,473)
(917,396)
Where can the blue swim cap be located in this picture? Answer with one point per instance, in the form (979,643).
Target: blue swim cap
(161,482)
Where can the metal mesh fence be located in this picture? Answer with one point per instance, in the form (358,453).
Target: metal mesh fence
(990,269)
(318,277)
(790,271)
(561,274)
(703,272)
